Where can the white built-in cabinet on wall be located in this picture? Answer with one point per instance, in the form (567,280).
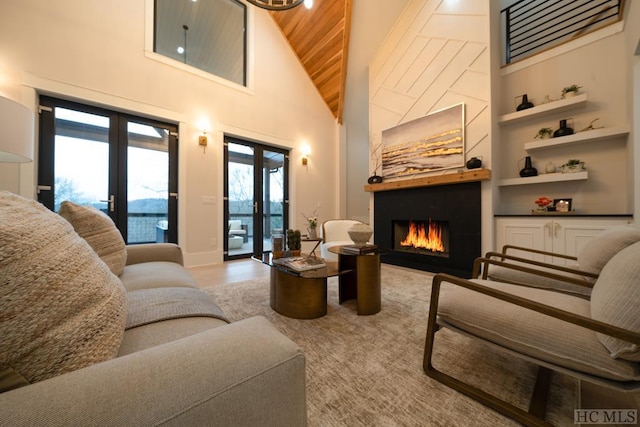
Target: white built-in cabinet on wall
(559,234)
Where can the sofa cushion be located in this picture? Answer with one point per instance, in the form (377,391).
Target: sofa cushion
(156,274)
(615,300)
(99,231)
(62,308)
(604,246)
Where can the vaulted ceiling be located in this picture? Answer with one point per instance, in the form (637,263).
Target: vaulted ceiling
(320,38)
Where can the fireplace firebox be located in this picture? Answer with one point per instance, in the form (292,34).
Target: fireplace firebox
(450,212)
(430,237)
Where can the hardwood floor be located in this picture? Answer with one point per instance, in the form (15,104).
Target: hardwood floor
(229,272)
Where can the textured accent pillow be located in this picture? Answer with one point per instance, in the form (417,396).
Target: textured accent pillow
(61,308)
(615,300)
(99,231)
(603,247)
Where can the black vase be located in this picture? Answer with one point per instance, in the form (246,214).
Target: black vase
(525,103)
(564,130)
(474,163)
(374,179)
(528,170)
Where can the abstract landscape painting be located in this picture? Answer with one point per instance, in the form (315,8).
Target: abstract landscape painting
(430,143)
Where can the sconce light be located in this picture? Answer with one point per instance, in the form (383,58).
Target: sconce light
(16,139)
(202,139)
(305,155)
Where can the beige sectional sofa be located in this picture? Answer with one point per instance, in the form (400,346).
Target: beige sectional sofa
(83,345)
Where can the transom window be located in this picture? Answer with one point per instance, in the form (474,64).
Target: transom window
(206,34)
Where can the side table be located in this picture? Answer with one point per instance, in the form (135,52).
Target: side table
(360,280)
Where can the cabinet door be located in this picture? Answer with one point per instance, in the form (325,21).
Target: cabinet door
(529,233)
(571,235)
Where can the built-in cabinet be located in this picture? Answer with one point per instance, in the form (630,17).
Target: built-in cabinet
(565,235)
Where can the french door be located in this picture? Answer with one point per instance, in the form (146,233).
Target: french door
(256,196)
(123,165)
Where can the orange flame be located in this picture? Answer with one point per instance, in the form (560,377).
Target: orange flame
(419,237)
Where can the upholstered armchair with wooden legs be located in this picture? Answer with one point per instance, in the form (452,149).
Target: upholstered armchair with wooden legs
(335,233)
(596,339)
(586,266)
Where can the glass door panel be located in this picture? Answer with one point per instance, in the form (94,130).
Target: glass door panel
(147,183)
(241,199)
(81,166)
(273,178)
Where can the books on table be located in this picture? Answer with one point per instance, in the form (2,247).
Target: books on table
(301,263)
(359,249)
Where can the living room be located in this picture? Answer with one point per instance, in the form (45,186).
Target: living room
(99,53)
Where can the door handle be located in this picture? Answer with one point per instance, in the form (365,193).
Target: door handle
(547,227)
(112,203)
(255,207)
(556,227)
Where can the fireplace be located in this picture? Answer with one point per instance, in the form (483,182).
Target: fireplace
(430,237)
(432,228)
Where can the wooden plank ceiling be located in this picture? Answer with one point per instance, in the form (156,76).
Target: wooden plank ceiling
(320,38)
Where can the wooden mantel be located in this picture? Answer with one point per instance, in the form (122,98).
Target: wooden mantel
(451,178)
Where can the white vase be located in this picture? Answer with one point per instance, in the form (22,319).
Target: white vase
(360,233)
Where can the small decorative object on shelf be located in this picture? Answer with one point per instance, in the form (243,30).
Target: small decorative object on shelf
(528,169)
(550,167)
(570,91)
(374,179)
(564,130)
(474,163)
(525,104)
(591,126)
(572,166)
(563,205)
(375,149)
(360,233)
(543,203)
(544,133)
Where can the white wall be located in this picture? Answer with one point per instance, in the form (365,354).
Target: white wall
(371,20)
(94,51)
(436,56)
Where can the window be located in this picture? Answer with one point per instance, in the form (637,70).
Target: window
(206,34)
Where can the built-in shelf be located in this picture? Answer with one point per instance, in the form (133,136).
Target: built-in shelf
(543,109)
(450,178)
(545,178)
(586,136)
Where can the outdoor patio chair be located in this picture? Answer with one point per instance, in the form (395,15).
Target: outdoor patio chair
(595,339)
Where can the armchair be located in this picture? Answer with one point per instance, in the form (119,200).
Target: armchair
(586,266)
(595,339)
(334,233)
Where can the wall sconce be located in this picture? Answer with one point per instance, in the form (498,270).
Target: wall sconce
(305,155)
(203,140)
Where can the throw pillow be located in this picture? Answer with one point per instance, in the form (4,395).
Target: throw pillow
(61,308)
(99,231)
(615,300)
(602,248)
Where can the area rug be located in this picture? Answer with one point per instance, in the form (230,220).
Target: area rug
(367,370)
